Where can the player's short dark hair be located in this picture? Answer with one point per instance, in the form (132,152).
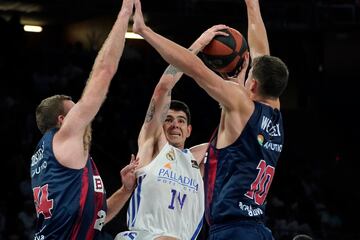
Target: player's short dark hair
(48,111)
(272,74)
(177,105)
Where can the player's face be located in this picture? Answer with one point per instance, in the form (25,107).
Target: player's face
(176,128)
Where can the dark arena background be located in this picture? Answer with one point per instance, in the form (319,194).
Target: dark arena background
(316,185)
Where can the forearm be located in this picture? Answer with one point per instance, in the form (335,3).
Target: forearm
(159,105)
(104,69)
(174,54)
(116,202)
(107,60)
(190,65)
(257,36)
(172,75)
(196,47)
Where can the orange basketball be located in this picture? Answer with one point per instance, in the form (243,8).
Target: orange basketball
(225,54)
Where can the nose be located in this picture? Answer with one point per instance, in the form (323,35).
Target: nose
(174,124)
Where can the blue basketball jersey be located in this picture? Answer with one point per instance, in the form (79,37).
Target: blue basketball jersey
(238,177)
(70,203)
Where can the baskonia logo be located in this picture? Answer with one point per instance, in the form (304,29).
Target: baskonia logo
(260,139)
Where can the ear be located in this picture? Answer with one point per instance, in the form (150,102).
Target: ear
(253,85)
(60,120)
(189,129)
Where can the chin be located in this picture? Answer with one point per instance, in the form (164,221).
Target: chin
(175,144)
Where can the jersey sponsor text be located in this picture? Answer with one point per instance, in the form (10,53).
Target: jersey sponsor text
(168,174)
(98,184)
(273,146)
(268,126)
(250,211)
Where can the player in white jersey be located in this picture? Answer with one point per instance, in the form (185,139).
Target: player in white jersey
(168,203)
(169,198)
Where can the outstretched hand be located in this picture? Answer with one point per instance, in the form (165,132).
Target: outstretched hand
(210,33)
(128,177)
(139,23)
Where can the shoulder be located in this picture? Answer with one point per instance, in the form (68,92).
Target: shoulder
(198,151)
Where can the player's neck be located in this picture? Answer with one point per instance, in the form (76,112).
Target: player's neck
(274,103)
(179,146)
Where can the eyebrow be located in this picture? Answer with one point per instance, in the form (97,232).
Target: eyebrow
(182,117)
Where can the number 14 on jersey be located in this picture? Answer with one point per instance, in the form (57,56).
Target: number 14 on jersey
(177,199)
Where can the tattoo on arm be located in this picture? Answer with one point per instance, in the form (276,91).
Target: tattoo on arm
(150,112)
(165,111)
(171,70)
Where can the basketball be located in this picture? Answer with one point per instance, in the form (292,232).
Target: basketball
(225,54)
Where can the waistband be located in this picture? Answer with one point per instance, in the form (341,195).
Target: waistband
(228,224)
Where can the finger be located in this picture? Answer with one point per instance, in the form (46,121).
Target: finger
(220,27)
(138,7)
(126,169)
(129,168)
(132,158)
(244,66)
(246,61)
(221,33)
(135,161)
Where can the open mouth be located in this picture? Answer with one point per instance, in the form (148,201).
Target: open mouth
(175,134)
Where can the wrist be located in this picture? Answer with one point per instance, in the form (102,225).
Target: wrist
(126,190)
(195,48)
(252,6)
(144,30)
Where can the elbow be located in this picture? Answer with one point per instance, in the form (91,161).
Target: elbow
(164,86)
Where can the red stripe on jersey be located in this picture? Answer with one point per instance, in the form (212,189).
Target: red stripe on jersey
(83,195)
(211,176)
(97,206)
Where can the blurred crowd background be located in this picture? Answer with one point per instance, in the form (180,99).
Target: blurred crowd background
(315,189)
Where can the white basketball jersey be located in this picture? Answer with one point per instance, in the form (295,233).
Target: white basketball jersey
(169,197)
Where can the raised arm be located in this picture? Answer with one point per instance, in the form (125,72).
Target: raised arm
(257,37)
(71,133)
(152,130)
(223,91)
(151,137)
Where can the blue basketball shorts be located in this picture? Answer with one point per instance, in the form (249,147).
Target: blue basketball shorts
(242,230)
